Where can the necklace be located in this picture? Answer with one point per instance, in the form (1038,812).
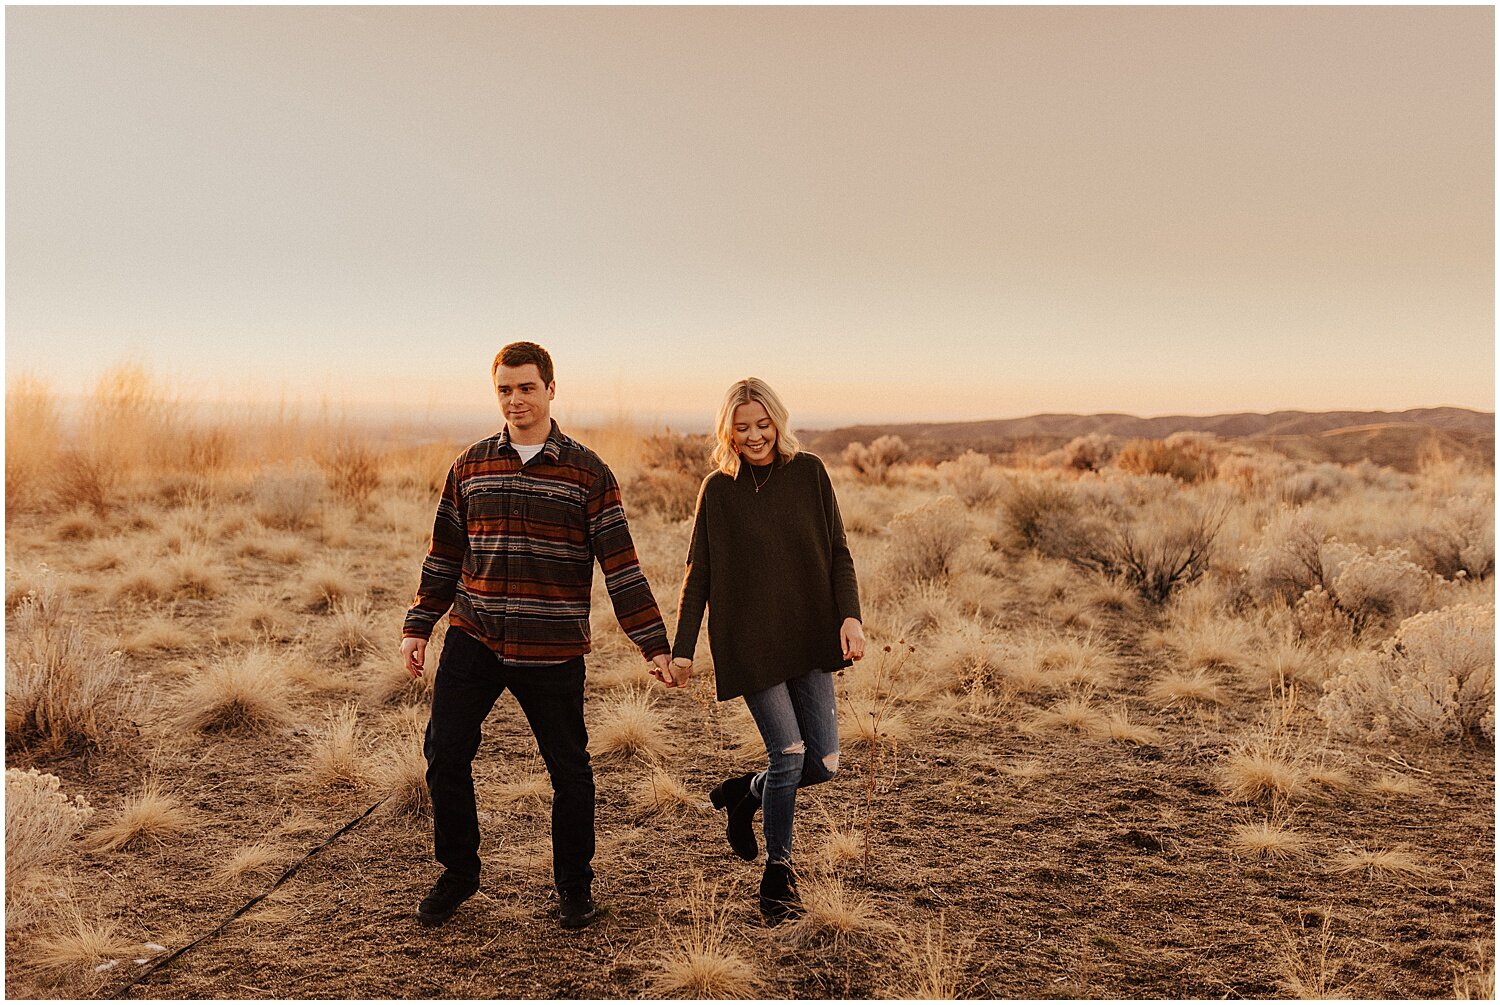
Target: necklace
(770,470)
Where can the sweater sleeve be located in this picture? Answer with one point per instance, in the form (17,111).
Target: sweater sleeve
(609,536)
(845,584)
(694,598)
(444,562)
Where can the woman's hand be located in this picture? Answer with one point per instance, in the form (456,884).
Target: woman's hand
(682,670)
(852,638)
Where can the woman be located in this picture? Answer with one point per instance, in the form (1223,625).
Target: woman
(769,559)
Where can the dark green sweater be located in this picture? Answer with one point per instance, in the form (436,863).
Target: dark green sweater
(774,570)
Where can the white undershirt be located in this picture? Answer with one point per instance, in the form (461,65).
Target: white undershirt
(528,450)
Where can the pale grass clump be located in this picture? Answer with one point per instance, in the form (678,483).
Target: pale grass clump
(386,682)
(1025,772)
(350,631)
(254,616)
(1118,726)
(1266,839)
(352,468)
(1284,662)
(157,633)
(964,658)
(63,691)
(1392,861)
(659,793)
(401,772)
(1434,679)
(832,911)
(1036,660)
(1391,785)
(1074,712)
(841,846)
(931,968)
(1186,685)
(631,726)
(1213,641)
(324,583)
(33,437)
(927,542)
(280,549)
(339,756)
(255,858)
(1309,970)
(529,786)
(146,582)
(698,961)
(243,693)
(152,816)
(1272,765)
(39,822)
(74,943)
(872,722)
(877,461)
(1476,981)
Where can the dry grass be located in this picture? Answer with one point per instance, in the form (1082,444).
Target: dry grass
(339,756)
(324,583)
(256,858)
(245,693)
(76,943)
(152,816)
(1476,981)
(1388,861)
(254,617)
(659,793)
(698,961)
(1266,839)
(832,911)
(401,774)
(386,682)
(1390,785)
(841,846)
(870,722)
(931,966)
(630,726)
(282,549)
(158,633)
(1309,969)
(530,786)
(40,821)
(1117,726)
(1178,686)
(1025,772)
(1075,713)
(1261,771)
(351,631)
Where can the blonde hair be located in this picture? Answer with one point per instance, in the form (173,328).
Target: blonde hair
(744,392)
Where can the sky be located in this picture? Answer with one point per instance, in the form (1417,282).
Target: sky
(892,214)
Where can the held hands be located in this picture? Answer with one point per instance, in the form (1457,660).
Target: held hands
(852,639)
(414,655)
(672,674)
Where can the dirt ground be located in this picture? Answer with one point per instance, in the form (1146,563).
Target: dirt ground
(1101,870)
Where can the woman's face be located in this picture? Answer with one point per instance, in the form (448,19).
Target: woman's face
(754,433)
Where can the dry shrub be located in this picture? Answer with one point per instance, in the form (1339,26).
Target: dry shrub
(931,969)
(33,435)
(630,726)
(1046,517)
(972,478)
(39,822)
(287,497)
(1266,839)
(1163,545)
(1085,453)
(659,793)
(669,494)
(1459,538)
(62,690)
(874,462)
(87,476)
(926,541)
(698,961)
(1187,457)
(150,816)
(338,758)
(245,693)
(352,470)
(1434,679)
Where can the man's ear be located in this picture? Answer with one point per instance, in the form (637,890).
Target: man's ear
(552,391)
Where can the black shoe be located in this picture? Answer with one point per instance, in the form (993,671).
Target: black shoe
(447,893)
(734,795)
(778,894)
(576,907)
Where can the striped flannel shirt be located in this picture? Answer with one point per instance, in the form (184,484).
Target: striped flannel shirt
(513,551)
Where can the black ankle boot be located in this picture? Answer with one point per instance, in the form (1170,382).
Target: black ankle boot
(778,894)
(733,795)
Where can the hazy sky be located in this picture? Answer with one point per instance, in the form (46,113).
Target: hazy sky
(889,213)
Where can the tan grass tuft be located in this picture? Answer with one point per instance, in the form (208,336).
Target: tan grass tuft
(1182,686)
(257,858)
(1266,840)
(241,694)
(1117,726)
(697,961)
(1309,970)
(338,758)
(832,911)
(870,722)
(324,583)
(254,617)
(931,968)
(630,726)
(1073,712)
(401,773)
(157,633)
(150,817)
(1391,785)
(1476,981)
(1393,861)
(532,785)
(77,944)
(1025,772)
(351,631)
(1260,772)
(659,793)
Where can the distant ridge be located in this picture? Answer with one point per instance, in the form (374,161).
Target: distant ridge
(1396,439)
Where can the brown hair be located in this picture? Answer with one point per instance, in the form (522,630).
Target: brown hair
(521,353)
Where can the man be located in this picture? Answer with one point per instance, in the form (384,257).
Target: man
(522,518)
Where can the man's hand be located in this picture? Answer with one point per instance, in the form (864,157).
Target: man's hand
(661,669)
(852,638)
(414,654)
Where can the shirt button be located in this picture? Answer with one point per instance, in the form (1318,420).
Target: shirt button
(515,512)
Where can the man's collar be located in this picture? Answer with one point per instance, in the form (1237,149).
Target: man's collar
(552,447)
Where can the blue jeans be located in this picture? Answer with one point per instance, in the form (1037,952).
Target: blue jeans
(800,727)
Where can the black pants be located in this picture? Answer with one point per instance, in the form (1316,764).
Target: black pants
(469,679)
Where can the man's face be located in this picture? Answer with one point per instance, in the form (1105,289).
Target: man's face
(525,401)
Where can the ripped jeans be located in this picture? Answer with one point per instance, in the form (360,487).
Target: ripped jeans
(800,727)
